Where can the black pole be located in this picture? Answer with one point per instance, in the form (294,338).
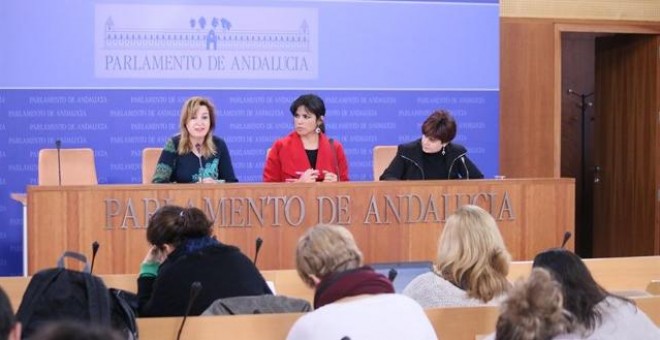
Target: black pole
(587,197)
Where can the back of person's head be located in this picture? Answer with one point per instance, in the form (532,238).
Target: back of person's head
(173,225)
(534,310)
(581,292)
(324,250)
(9,326)
(472,254)
(312,104)
(440,125)
(72,330)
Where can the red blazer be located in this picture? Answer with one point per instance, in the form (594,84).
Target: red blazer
(287,156)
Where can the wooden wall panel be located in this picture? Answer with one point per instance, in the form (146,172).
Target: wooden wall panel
(532,215)
(529,144)
(657,165)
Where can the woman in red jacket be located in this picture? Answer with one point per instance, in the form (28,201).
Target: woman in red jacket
(306,154)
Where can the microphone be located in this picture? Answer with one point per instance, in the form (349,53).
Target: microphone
(195,289)
(451,166)
(467,172)
(391,275)
(58,146)
(258,242)
(415,163)
(567,236)
(198,147)
(334,158)
(95,249)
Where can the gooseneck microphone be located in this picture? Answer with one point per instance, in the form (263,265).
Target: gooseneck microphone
(415,163)
(198,147)
(391,275)
(195,289)
(258,244)
(58,146)
(467,172)
(334,158)
(95,249)
(451,166)
(567,236)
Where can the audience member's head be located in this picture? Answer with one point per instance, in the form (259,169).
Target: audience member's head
(580,290)
(534,310)
(10,328)
(351,300)
(172,225)
(472,255)
(71,330)
(324,250)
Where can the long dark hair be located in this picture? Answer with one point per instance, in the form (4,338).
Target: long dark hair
(581,292)
(173,224)
(7,318)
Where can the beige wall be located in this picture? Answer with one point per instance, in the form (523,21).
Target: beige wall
(619,10)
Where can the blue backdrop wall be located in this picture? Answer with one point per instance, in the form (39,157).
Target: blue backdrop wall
(113,75)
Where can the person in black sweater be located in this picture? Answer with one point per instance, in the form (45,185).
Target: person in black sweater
(183,251)
(195,154)
(433,156)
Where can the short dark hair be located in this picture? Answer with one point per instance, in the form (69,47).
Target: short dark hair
(75,330)
(580,290)
(172,224)
(440,125)
(7,318)
(312,103)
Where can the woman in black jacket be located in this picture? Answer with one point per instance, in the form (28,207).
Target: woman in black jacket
(433,156)
(183,251)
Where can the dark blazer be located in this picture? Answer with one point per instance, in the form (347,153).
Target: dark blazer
(287,156)
(175,168)
(222,270)
(408,164)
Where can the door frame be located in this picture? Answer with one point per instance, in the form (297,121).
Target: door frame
(583,27)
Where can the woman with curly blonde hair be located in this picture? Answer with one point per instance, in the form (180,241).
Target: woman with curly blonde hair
(471,266)
(534,311)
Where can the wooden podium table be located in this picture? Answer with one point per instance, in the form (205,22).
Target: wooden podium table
(391,221)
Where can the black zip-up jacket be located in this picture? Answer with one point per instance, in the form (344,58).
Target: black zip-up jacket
(408,164)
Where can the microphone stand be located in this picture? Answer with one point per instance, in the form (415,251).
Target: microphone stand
(467,172)
(58,146)
(451,167)
(195,288)
(415,163)
(198,147)
(258,242)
